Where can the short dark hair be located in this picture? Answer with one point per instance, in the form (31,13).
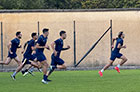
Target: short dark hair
(62,32)
(45,30)
(33,34)
(17,33)
(120,34)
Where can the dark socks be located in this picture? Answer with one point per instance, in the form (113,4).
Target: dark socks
(26,70)
(45,77)
(54,67)
(50,72)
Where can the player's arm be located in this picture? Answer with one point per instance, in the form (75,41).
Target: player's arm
(68,47)
(33,48)
(9,46)
(39,47)
(53,48)
(113,40)
(38,44)
(119,46)
(24,47)
(47,46)
(19,46)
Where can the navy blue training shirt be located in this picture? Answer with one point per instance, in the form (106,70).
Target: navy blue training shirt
(58,46)
(42,42)
(29,50)
(119,41)
(15,43)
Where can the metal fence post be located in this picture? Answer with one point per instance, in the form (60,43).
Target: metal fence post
(2,42)
(38,27)
(111,34)
(74,43)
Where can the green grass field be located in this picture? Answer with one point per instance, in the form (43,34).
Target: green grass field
(74,81)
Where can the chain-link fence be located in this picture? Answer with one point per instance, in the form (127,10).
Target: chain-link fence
(88,27)
(86,33)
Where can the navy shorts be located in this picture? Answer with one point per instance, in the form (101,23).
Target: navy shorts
(12,56)
(26,59)
(40,57)
(56,61)
(115,55)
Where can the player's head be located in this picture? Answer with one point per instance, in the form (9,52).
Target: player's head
(46,31)
(63,34)
(121,35)
(34,36)
(18,34)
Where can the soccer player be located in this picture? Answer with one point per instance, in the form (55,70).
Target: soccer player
(30,68)
(57,46)
(12,48)
(28,57)
(40,46)
(116,54)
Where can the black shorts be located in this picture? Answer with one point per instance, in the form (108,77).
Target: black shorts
(56,61)
(12,56)
(26,59)
(115,55)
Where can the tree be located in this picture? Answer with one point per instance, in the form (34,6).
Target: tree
(22,4)
(68,4)
(57,4)
(76,4)
(31,4)
(91,4)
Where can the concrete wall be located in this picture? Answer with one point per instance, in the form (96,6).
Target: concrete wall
(89,27)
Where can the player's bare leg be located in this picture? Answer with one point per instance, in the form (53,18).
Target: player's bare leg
(105,67)
(108,65)
(25,72)
(53,68)
(17,60)
(18,69)
(8,60)
(35,64)
(124,59)
(61,66)
(20,66)
(44,67)
(39,64)
(30,68)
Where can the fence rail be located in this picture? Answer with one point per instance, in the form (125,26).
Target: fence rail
(69,10)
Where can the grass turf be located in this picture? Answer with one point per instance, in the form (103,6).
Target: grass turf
(74,81)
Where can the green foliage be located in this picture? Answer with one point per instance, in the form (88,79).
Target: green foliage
(22,4)
(56,4)
(76,4)
(1,7)
(68,4)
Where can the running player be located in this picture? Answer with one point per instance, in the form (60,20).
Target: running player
(28,57)
(12,48)
(30,68)
(40,46)
(116,54)
(57,46)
